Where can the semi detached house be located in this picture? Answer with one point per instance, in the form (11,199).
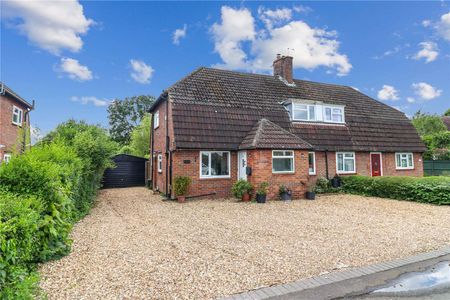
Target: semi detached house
(219,126)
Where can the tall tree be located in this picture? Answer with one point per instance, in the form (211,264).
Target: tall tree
(447,112)
(124,115)
(140,138)
(427,124)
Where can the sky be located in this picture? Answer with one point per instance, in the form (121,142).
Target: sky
(74,57)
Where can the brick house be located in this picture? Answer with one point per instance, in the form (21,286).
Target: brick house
(14,116)
(218,126)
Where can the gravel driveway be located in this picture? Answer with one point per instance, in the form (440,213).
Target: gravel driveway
(135,246)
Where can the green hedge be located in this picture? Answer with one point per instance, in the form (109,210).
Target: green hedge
(435,190)
(42,193)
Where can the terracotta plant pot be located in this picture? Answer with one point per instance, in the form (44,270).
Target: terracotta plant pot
(246,197)
(181,199)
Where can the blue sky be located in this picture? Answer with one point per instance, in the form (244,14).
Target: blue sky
(74,57)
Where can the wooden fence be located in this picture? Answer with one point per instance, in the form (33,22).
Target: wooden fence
(436,167)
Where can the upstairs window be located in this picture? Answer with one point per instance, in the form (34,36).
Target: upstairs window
(214,164)
(404,161)
(304,112)
(345,162)
(17,116)
(156,120)
(333,114)
(282,161)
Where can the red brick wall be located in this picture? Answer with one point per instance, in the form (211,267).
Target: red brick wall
(8,131)
(200,186)
(261,163)
(363,165)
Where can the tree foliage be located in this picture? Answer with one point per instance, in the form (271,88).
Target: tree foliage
(447,113)
(427,124)
(140,138)
(125,115)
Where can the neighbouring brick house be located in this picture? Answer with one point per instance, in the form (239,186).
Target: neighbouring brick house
(219,126)
(14,116)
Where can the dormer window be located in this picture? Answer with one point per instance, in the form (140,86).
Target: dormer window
(315,111)
(334,114)
(304,112)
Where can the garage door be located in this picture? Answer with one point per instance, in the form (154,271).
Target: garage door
(129,171)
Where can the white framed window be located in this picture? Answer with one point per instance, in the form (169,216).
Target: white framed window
(6,157)
(303,112)
(345,162)
(283,161)
(17,116)
(333,114)
(404,161)
(159,163)
(214,164)
(156,119)
(312,163)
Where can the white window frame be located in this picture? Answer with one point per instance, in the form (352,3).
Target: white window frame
(314,163)
(397,167)
(333,107)
(6,157)
(19,115)
(209,163)
(308,105)
(156,119)
(343,163)
(159,163)
(284,156)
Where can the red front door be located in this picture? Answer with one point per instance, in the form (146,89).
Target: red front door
(375,163)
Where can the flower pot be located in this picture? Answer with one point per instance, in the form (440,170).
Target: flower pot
(261,198)
(285,196)
(181,199)
(310,195)
(246,197)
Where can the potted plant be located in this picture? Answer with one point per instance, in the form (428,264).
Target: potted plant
(241,189)
(311,194)
(181,186)
(285,193)
(261,193)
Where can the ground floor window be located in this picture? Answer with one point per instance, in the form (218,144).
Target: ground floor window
(282,161)
(404,161)
(159,163)
(6,157)
(214,164)
(345,162)
(312,163)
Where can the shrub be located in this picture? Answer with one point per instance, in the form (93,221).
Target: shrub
(262,188)
(435,190)
(283,189)
(241,187)
(181,185)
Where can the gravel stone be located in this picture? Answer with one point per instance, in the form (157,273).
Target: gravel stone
(133,245)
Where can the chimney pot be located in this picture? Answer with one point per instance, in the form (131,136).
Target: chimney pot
(282,66)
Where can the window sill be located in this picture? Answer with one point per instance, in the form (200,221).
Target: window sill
(346,173)
(215,177)
(312,174)
(288,172)
(17,124)
(404,169)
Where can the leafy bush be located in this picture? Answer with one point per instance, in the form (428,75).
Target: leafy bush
(241,187)
(435,190)
(42,193)
(262,188)
(283,189)
(181,185)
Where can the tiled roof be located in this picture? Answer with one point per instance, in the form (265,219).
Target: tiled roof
(216,109)
(268,135)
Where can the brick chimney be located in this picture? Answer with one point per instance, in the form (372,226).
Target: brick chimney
(282,66)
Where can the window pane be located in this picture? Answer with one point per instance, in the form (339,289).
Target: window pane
(340,162)
(397,156)
(282,164)
(337,115)
(349,165)
(205,164)
(278,153)
(288,153)
(410,162)
(404,163)
(219,163)
(327,114)
(312,115)
(300,114)
(311,162)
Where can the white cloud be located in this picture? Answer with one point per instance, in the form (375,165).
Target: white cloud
(429,51)
(91,100)
(74,69)
(51,25)
(410,99)
(426,23)
(276,16)
(237,26)
(388,92)
(311,47)
(443,26)
(141,72)
(302,9)
(178,34)
(426,91)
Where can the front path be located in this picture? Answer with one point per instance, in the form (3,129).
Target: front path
(135,246)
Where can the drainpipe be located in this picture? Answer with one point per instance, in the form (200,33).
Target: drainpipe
(27,126)
(167,148)
(152,142)
(326,163)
